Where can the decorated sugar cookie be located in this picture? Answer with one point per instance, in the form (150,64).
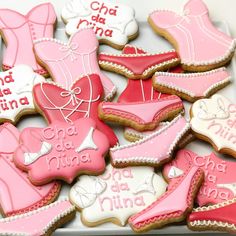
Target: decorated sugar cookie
(117,194)
(219,182)
(113,23)
(16,86)
(19,31)
(62,151)
(213,120)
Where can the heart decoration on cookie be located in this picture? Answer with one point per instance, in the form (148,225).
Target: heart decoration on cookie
(16,92)
(62,151)
(113,23)
(81,100)
(213,120)
(116,194)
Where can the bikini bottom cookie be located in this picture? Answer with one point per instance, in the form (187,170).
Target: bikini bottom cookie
(141,115)
(155,149)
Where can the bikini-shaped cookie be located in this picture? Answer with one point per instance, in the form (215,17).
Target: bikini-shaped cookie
(213,121)
(218,217)
(133,188)
(133,115)
(66,62)
(16,86)
(143,152)
(191,86)
(61,151)
(219,183)
(193,33)
(138,66)
(173,206)
(14,182)
(113,24)
(81,100)
(43,221)
(19,31)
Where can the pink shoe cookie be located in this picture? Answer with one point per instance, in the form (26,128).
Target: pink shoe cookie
(219,184)
(66,62)
(43,221)
(81,100)
(14,182)
(62,151)
(171,207)
(191,86)
(19,31)
(142,152)
(133,115)
(193,34)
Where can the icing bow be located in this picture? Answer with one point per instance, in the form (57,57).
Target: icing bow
(77,9)
(185,15)
(30,158)
(146,186)
(72,93)
(70,50)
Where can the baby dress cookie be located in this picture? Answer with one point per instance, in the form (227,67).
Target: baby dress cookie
(213,120)
(116,195)
(66,62)
(19,31)
(191,86)
(16,86)
(219,182)
(113,23)
(43,221)
(14,182)
(62,151)
(201,46)
(68,105)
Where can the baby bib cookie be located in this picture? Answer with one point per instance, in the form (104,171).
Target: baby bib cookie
(219,181)
(116,195)
(19,31)
(14,182)
(62,151)
(16,97)
(193,34)
(213,120)
(192,86)
(66,62)
(113,23)
(43,221)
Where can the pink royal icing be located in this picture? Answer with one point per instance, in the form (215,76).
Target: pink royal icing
(219,183)
(62,151)
(194,34)
(19,31)
(66,62)
(14,182)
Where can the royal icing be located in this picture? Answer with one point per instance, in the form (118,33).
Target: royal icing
(118,193)
(19,31)
(62,151)
(114,23)
(219,183)
(66,62)
(131,114)
(172,205)
(40,221)
(142,152)
(214,119)
(14,182)
(219,217)
(81,100)
(16,87)
(138,66)
(194,34)
(193,85)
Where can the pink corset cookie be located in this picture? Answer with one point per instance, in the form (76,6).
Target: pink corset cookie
(66,62)
(200,44)
(14,182)
(61,151)
(19,31)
